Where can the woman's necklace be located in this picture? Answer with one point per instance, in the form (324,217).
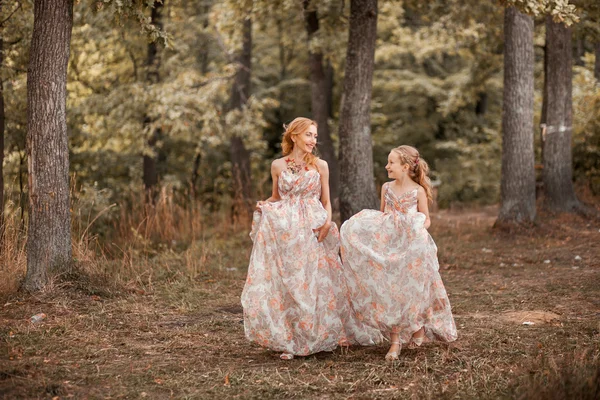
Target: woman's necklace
(294,167)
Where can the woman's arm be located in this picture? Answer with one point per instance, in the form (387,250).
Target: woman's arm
(422,206)
(325,199)
(275,171)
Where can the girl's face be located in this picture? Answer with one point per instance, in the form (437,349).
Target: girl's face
(394,167)
(306,141)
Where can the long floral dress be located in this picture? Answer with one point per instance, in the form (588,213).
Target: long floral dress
(295,299)
(391,266)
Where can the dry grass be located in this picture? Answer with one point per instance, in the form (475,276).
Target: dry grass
(171,324)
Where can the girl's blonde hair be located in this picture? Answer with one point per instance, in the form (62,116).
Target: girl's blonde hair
(418,169)
(296,127)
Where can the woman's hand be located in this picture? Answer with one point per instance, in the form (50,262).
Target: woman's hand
(323,231)
(259,205)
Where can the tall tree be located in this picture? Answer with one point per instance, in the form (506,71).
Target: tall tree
(1,145)
(150,176)
(597,64)
(49,233)
(544,113)
(518,176)
(559,193)
(320,78)
(240,156)
(357,185)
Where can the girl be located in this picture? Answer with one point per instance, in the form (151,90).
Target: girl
(390,260)
(295,299)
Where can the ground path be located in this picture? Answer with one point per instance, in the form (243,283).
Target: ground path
(182,338)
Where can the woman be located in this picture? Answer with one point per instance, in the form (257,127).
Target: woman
(295,299)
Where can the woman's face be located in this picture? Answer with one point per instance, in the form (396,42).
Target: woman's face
(394,167)
(306,141)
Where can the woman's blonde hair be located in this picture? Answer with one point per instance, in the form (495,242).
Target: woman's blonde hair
(418,169)
(296,127)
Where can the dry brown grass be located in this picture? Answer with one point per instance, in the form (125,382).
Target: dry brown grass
(172,326)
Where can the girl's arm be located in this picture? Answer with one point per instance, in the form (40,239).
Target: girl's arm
(325,200)
(383,189)
(422,206)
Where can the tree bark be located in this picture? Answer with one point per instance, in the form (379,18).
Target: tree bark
(195,176)
(559,193)
(579,50)
(150,161)
(481,105)
(544,113)
(203,54)
(518,176)
(357,185)
(2,129)
(49,233)
(321,100)
(329,83)
(240,156)
(597,63)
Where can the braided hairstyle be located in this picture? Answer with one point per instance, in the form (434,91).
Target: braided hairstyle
(418,168)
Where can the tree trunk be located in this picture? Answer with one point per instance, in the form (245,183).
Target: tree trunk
(49,233)
(544,113)
(150,170)
(203,54)
(597,64)
(482,101)
(240,156)
(559,194)
(357,185)
(2,120)
(195,176)
(329,82)
(518,176)
(579,50)
(321,100)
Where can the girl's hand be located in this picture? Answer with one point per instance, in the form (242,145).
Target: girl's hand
(259,205)
(323,231)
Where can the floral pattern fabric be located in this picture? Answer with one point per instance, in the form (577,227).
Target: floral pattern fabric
(296,299)
(391,267)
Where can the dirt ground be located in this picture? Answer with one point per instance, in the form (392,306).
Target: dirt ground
(526,304)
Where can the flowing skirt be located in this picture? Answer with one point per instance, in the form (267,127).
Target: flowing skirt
(296,299)
(392,271)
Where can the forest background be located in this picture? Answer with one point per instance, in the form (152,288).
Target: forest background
(174,112)
(437,85)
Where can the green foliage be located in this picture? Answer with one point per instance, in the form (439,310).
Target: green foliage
(135,10)
(428,80)
(560,10)
(586,126)
(437,85)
